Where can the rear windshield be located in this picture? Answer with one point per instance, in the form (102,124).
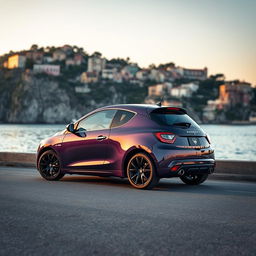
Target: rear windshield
(173,119)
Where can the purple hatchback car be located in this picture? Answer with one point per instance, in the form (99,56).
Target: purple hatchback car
(140,142)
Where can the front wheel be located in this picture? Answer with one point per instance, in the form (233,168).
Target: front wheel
(49,166)
(194,179)
(141,172)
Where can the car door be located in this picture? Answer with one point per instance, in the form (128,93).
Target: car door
(89,152)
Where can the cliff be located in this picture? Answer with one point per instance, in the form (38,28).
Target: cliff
(28,98)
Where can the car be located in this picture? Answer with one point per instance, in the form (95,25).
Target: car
(141,142)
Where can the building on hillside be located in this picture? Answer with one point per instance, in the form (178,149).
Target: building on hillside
(142,74)
(5,64)
(36,56)
(96,64)
(53,70)
(67,49)
(231,94)
(234,93)
(193,87)
(78,59)
(193,74)
(47,59)
(181,91)
(89,77)
(16,61)
(59,55)
(157,75)
(108,73)
(129,71)
(159,89)
(70,62)
(210,110)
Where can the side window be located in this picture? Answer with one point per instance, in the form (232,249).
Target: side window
(121,118)
(98,121)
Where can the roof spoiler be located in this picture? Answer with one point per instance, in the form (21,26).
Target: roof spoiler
(169,110)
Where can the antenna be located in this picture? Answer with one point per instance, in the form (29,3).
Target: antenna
(160,102)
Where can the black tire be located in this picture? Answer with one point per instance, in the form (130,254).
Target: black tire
(141,172)
(49,166)
(194,179)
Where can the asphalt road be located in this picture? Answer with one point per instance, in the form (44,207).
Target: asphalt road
(105,216)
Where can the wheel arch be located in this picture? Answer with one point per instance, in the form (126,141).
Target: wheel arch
(42,151)
(131,153)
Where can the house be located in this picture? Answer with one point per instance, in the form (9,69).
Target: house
(78,59)
(142,74)
(49,69)
(70,62)
(193,87)
(89,77)
(108,73)
(180,92)
(67,49)
(159,89)
(36,56)
(112,74)
(234,93)
(47,59)
(5,64)
(210,110)
(129,71)
(16,61)
(231,94)
(96,63)
(193,74)
(59,55)
(157,75)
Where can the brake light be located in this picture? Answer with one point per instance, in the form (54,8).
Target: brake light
(172,108)
(166,137)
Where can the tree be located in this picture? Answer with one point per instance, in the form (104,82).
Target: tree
(97,54)
(34,47)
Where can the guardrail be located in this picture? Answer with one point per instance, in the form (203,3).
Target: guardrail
(225,169)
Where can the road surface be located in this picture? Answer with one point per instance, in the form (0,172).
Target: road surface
(82,215)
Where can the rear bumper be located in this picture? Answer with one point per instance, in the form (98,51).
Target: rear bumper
(177,168)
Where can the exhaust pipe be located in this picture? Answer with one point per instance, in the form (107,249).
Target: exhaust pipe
(181,172)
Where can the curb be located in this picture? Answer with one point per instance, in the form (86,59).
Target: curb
(225,169)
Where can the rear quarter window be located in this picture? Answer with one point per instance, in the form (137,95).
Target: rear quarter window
(122,117)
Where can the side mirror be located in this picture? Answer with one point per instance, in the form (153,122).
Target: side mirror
(70,128)
(81,132)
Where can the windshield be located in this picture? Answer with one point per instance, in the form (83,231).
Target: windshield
(174,119)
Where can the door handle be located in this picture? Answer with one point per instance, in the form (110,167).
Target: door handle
(101,137)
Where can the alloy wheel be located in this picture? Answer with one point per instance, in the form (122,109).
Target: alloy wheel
(140,171)
(49,166)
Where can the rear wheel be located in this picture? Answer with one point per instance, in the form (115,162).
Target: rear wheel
(141,172)
(194,179)
(49,166)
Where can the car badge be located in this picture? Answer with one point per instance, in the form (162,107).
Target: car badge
(195,141)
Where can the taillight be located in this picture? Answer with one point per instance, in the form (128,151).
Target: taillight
(166,137)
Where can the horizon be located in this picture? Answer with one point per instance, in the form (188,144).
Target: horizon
(219,35)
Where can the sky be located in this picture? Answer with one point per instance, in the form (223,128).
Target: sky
(218,34)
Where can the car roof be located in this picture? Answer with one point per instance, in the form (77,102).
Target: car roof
(139,108)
